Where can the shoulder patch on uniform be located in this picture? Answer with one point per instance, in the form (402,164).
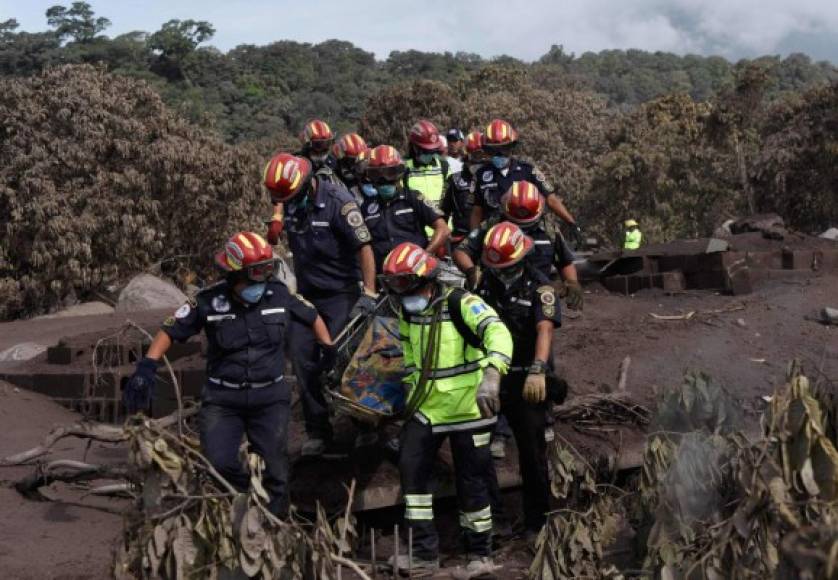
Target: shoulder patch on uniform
(348,207)
(373,208)
(170,321)
(363,234)
(221,304)
(488,175)
(539,176)
(547,294)
(354,218)
(183,311)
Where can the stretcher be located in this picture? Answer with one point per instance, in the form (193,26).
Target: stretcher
(367,380)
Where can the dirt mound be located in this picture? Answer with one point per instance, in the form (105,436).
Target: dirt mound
(46,539)
(95,174)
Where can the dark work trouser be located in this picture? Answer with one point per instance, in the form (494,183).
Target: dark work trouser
(260,414)
(472,469)
(528,423)
(305,356)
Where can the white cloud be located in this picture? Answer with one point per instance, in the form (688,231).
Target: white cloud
(525,29)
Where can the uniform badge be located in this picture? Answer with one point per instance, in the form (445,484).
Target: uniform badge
(355,219)
(170,321)
(372,208)
(348,207)
(363,234)
(183,311)
(488,175)
(221,304)
(547,295)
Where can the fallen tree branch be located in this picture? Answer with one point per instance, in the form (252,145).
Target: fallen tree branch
(29,485)
(87,430)
(623,376)
(351,565)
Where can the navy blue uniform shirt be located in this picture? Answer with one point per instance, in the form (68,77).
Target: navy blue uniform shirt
(458,200)
(325,235)
(531,300)
(401,219)
(492,183)
(246,341)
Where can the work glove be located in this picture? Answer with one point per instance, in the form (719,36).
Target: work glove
(535,387)
(364,306)
(139,390)
(488,393)
(573,295)
(274,231)
(472,277)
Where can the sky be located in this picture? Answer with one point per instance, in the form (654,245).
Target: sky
(524,29)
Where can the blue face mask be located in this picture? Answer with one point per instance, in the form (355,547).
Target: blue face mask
(298,203)
(387,190)
(414,304)
(500,161)
(427,158)
(369,190)
(253,293)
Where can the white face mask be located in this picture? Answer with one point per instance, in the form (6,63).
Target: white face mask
(415,303)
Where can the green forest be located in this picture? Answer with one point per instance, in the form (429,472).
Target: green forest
(104,141)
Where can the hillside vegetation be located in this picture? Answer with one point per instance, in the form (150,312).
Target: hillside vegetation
(118,152)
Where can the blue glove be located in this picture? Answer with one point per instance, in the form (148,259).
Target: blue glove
(139,390)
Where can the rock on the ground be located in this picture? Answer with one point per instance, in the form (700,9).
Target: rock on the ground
(22,351)
(769,224)
(830,234)
(83,309)
(147,292)
(829,315)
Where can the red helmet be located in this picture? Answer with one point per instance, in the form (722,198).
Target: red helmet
(499,133)
(350,145)
(425,135)
(505,245)
(522,203)
(285,175)
(317,135)
(247,252)
(407,267)
(384,164)
(474,142)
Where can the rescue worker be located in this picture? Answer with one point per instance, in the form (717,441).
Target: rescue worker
(426,172)
(317,140)
(456,144)
(347,151)
(335,270)
(455,349)
(458,199)
(526,302)
(454,164)
(523,205)
(247,319)
(633,236)
(394,214)
(500,141)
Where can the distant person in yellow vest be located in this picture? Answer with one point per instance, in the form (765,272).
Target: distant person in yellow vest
(633,236)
